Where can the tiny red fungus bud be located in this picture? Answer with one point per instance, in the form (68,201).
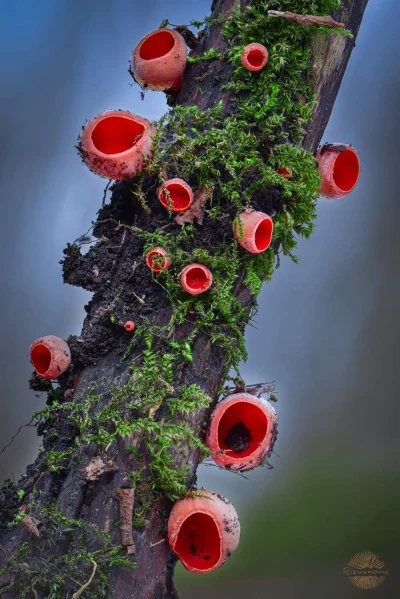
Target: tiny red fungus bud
(203,531)
(285,172)
(175,194)
(254,231)
(254,57)
(129,326)
(340,171)
(196,278)
(157,259)
(159,60)
(115,144)
(243,428)
(50,356)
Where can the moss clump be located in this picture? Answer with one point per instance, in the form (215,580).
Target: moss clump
(41,568)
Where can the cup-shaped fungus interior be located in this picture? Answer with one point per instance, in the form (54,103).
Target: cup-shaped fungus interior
(175,196)
(156,260)
(196,278)
(156,45)
(198,543)
(263,234)
(116,134)
(242,428)
(346,170)
(255,58)
(41,358)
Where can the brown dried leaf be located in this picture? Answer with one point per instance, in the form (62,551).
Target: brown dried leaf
(98,466)
(31,525)
(200,198)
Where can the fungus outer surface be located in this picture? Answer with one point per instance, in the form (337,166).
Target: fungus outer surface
(116,134)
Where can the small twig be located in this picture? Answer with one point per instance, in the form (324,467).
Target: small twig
(126,499)
(16,434)
(191,40)
(170,389)
(85,586)
(158,543)
(325,21)
(257,389)
(105,193)
(139,299)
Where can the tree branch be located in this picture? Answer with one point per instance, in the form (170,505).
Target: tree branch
(325,21)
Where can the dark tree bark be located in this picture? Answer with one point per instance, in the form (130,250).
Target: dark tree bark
(96,353)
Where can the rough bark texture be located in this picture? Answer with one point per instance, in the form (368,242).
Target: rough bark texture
(96,501)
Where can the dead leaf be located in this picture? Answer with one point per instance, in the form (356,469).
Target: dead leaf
(200,198)
(98,466)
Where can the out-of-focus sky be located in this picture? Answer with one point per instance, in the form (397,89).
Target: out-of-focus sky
(327,329)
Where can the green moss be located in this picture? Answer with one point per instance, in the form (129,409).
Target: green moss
(39,566)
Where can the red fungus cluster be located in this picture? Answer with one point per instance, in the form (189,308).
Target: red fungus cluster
(203,528)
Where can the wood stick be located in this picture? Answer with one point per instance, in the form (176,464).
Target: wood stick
(325,21)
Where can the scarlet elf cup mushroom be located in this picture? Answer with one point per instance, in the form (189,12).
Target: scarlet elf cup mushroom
(196,279)
(253,231)
(159,60)
(339,166)
(116,143)
(50,356)
(176,195)
(254,57)
(242,431)
(203,531)
(157,259)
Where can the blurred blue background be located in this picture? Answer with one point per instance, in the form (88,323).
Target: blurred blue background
(327,329)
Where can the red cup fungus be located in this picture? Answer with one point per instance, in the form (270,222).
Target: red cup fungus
(285,172)
(340,171)
(242,431)
(129,326)
(203,531)
(159,60)
(176,195)
(115,144)
(254,57)
(157,259)
(253,231)
(50,356)
(196,279)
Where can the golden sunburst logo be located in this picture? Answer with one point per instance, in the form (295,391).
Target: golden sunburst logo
(366,570)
